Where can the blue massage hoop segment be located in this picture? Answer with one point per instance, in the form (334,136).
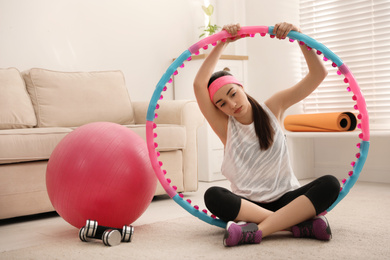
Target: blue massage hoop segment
(245,32)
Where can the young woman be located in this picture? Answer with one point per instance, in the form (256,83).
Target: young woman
(266,196)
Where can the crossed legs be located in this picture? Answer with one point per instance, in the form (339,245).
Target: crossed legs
(291,209)
(297,211)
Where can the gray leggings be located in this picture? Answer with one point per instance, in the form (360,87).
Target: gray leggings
(322,192)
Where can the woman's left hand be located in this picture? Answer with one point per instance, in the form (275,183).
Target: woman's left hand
(282,29)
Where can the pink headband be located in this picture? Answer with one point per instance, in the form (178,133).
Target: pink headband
(220,82)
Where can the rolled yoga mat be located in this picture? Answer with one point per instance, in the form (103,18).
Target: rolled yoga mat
(321,122)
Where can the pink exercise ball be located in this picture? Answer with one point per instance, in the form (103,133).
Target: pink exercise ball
(100,171)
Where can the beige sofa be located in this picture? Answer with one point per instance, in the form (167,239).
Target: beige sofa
(39,107)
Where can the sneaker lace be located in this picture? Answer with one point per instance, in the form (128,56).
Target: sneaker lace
(306,229)
(247,237)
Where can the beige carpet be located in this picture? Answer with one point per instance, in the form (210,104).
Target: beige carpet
(360,226)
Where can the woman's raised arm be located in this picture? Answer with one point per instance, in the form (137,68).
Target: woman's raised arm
(280,101)
(216,118)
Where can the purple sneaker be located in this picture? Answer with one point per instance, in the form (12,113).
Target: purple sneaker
(238,234)
(317,227)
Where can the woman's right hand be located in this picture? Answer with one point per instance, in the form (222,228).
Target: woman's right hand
(232,29)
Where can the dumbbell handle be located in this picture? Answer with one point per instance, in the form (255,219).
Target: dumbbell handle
(110,237)
(100,230)
(93,230)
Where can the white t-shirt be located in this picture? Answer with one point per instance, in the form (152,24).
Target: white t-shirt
(261,176)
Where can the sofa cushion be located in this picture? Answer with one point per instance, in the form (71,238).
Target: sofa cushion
(32,144)
(16,110)
(68,99)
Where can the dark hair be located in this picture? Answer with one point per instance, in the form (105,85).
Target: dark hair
(263,128)
(218,74)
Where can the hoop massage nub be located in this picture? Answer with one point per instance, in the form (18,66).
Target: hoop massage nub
(251,31)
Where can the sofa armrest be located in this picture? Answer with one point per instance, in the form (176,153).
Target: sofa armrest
(178,112)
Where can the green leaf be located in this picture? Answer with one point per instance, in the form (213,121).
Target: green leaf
(209,10)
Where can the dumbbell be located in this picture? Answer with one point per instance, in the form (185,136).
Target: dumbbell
(110,236)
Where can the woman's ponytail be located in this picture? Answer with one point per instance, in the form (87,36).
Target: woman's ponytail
(264,131)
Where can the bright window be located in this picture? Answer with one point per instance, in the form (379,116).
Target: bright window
(358,31)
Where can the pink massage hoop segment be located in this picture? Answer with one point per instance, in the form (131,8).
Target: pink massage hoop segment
(251,31)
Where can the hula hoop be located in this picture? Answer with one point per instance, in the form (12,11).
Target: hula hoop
(251,31)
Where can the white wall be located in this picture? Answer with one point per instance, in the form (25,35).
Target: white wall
(138,37)
(273,64)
